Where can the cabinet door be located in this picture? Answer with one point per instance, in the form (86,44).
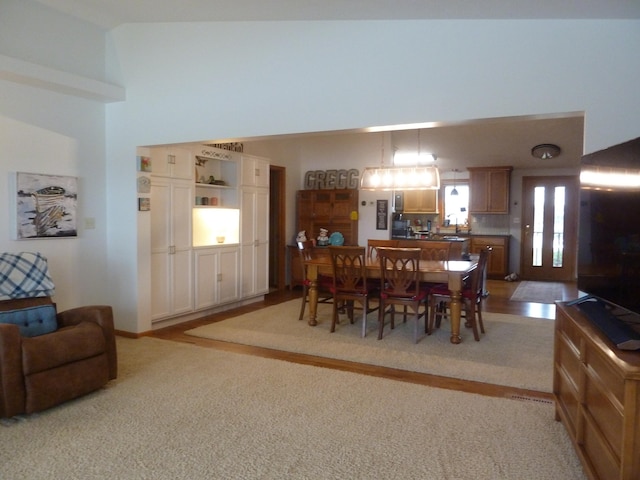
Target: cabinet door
(489,190)
(498,264)
(255,241)
(206,269)
(173,163)
(171,263)
(421,201)
(322,209)
(262,237)
(478,191)
(227,276)
(255,171)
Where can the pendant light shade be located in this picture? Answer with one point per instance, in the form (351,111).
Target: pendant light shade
(454,192)
(415,176)
(400,178)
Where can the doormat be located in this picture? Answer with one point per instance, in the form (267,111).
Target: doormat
(538,292)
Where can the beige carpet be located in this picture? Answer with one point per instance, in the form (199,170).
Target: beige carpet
(179,411)
(515,351)
(538,292)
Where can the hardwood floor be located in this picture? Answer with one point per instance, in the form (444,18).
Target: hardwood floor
(497,301)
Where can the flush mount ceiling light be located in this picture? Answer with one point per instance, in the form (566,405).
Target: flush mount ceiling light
(545,151)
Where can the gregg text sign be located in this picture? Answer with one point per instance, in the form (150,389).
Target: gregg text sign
(331,179)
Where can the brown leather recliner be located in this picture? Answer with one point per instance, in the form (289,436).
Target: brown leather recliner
(42,371)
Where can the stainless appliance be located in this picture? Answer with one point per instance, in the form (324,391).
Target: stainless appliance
(400,228)
(398,202)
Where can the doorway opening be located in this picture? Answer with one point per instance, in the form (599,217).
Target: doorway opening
(277,216)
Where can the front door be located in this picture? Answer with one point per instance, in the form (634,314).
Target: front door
(549,226)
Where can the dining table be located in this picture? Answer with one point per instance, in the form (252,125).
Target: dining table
(451,272)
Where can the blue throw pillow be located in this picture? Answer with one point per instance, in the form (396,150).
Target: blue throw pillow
(33,321)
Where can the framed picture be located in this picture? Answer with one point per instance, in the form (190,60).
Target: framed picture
(382,214)
(143,184)
(46,206)
(144,204)
(144,163)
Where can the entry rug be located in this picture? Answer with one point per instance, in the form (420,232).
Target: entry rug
(515,351)
(538,292)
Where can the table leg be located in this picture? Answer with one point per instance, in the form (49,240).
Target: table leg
(456,310)
(455,289)
(312,273)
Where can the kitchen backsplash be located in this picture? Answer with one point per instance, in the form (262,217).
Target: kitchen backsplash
(480,224)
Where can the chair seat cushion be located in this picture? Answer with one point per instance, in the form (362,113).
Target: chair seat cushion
(67,345)
(421,295)
(323,281)
(443,290)
(32,321)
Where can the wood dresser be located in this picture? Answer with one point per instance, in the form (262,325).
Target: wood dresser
(597,392)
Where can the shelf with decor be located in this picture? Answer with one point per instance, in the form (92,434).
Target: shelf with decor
(216,175)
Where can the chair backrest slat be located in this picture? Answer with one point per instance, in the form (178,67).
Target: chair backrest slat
(349,268)
(399,269)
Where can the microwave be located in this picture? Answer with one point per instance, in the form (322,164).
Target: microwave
(398,202)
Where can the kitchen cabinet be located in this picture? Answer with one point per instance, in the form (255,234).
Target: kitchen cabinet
(498,264)
(172,162)
(597,392)
(335,210)
(420,201)
(216,276)
(171,263)
(489,189)
(254,226)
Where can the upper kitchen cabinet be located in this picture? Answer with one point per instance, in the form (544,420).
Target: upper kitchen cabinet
(172,162)
(489,189)
(421,201)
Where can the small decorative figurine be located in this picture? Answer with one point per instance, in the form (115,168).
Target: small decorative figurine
(302,236)
(323,238)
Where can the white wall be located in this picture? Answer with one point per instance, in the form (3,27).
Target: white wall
(195,81)
(188,82)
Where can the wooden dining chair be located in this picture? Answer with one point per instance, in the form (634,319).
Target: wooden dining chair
(472,296)
(324,282)
(374,244)
(400,279)
(435,251)
(350,284)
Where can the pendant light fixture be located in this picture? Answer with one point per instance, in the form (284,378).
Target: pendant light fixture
(454,192)
(408,177)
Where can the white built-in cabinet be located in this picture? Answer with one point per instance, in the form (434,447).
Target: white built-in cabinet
(216,274)
(171,262)
(199,260)
(254,225)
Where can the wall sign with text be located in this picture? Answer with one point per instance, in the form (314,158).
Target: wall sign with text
(331,179)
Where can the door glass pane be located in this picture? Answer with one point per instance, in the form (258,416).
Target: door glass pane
(558,226)
(538,225)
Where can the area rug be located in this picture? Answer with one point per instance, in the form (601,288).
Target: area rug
(180,411)
(538,292)
(515,351)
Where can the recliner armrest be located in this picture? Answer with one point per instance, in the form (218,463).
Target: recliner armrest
(103,316)
(12,391)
